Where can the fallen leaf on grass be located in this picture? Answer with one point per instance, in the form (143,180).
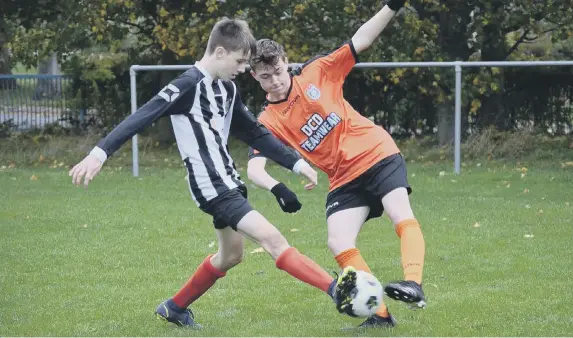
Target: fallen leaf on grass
(33,178)
(525,191)
(527,206)
(212,244)
(294,230)
(528,236)
(540,211)
(567,164)
(258,250)
(442,173)
(477,225)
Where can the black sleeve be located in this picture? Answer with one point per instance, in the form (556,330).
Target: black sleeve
(175,98)
(253,153)
(246,128)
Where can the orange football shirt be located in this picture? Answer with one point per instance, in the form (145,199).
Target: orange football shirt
(320,124)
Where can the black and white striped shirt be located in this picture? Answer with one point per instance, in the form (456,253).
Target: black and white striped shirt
(204,112)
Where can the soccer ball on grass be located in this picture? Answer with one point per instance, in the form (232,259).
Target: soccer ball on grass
(365,297)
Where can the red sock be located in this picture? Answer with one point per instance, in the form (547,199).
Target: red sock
(204,277)
(304,269)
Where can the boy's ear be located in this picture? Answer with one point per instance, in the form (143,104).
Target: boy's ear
(253,74)
(220,52)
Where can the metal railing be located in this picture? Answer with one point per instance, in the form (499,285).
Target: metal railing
(457,65)
(32,101)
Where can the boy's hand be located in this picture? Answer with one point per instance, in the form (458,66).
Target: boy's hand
(286,198)
(311,175)
(395,5)
(88,167)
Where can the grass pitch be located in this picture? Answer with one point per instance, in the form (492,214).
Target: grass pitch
(96,262)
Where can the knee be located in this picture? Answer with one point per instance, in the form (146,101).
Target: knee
(399,215)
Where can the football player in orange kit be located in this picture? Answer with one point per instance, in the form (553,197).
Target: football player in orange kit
(306,110)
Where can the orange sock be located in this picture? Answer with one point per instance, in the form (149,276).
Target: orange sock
(204,277)
(303,268)
(352,257)
(413,249)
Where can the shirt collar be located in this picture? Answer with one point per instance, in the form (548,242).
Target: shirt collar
(203,71)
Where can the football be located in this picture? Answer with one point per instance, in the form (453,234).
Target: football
(366,297)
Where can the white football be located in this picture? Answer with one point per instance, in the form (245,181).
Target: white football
(367,296)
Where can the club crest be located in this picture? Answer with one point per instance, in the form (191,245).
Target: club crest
(313,92)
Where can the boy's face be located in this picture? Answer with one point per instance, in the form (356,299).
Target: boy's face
(274,79)
(230,64)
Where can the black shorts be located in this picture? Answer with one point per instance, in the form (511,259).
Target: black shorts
(369,188)
(228,208)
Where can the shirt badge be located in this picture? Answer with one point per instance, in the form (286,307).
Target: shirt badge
(312,92)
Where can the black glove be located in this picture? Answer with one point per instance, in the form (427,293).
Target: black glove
(395,5)
(286,198)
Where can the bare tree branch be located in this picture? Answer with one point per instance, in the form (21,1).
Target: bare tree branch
(517,43)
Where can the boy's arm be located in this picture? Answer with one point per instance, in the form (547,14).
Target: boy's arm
(256,172)
(245,127)
(337,64)
(176,97)
(369,31)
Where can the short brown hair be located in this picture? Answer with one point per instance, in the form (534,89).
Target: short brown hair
(233,35)
(268,52)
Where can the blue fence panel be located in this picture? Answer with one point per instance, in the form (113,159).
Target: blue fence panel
(33,101)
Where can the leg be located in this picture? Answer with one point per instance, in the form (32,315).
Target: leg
(230,253)
(387,188)
(215,266)
(256,227)
(397,205)
(390,183)
(343,229)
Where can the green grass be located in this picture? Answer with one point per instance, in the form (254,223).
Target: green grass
(96,262)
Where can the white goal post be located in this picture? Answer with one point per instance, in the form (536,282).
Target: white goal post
(457,65)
